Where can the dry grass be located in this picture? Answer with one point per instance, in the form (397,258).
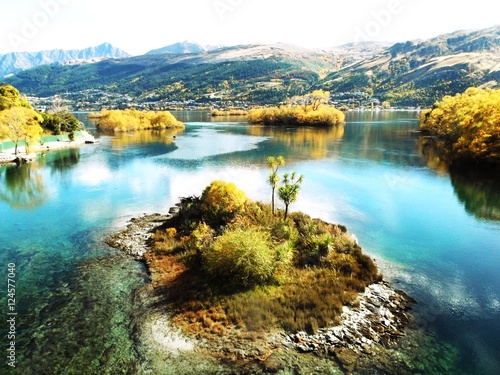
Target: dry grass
(327,271)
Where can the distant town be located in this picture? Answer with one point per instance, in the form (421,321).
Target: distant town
(95,100)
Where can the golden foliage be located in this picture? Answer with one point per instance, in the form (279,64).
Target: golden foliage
(229,112)
(295,115)
(131,119)
(469,123)
(20,124)
(221,201)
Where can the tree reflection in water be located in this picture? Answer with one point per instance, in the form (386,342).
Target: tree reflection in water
(23,186)
(479,192)
(477,189)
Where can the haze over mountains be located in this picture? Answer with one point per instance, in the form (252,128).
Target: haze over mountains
(15,62)
(407,73)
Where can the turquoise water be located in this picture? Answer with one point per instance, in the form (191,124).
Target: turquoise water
(433,234)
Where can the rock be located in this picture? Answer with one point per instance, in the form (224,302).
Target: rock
(347,358)
(133,240)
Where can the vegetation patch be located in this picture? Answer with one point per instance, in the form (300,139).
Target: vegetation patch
(229,112)
(236,265)
(22,124)
(468,125)
(310,109)
(131,119)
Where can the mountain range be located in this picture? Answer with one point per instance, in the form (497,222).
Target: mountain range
(15,62)
(407,73)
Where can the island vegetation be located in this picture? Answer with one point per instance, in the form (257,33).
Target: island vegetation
(21,123)
(310,109)
(132,119)
(229,112)
(467,126)
(230,263)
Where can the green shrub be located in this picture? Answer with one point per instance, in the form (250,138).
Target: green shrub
(243,258)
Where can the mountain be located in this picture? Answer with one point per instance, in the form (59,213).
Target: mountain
(409,73)
(423,71)
(14,62)
(250,72)
(179,48)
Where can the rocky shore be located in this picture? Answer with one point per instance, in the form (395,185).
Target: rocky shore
(371,327)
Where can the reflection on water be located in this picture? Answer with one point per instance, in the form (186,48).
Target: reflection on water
(165,136)
(433,154)
(304,140)
(77,294)
(477,190)
(479,194)
(63,160)
(23,186)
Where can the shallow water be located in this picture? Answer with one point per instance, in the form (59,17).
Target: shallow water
(434,235)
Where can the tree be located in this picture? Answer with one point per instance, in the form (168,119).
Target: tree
(10,97)
(315,99)
(289,191)
(274,163)
(20,124)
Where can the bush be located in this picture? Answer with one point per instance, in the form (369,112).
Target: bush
(131,119)
(221,201)
(243,258)
(287,115)
(469,123)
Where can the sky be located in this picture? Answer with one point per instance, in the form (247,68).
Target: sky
(138,26)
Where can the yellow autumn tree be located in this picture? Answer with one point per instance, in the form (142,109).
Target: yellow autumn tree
(468,124)
(221,201)
(20,124)
(131,119)
(10,97)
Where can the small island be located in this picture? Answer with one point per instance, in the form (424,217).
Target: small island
(245,281)
(132,119)
(307,110)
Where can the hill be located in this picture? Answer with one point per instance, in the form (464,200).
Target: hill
(181,47)
(15,62)
(409,73)
(421,72)
(251,73)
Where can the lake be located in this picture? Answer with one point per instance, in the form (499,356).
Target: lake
(434,234)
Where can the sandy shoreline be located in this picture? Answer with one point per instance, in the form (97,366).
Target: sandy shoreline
(9,156)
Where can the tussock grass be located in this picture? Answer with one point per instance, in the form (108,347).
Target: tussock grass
(313,268)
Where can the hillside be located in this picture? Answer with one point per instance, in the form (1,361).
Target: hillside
(409,73)
(181,47)
(15,62)
(421,72)
(252,73)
